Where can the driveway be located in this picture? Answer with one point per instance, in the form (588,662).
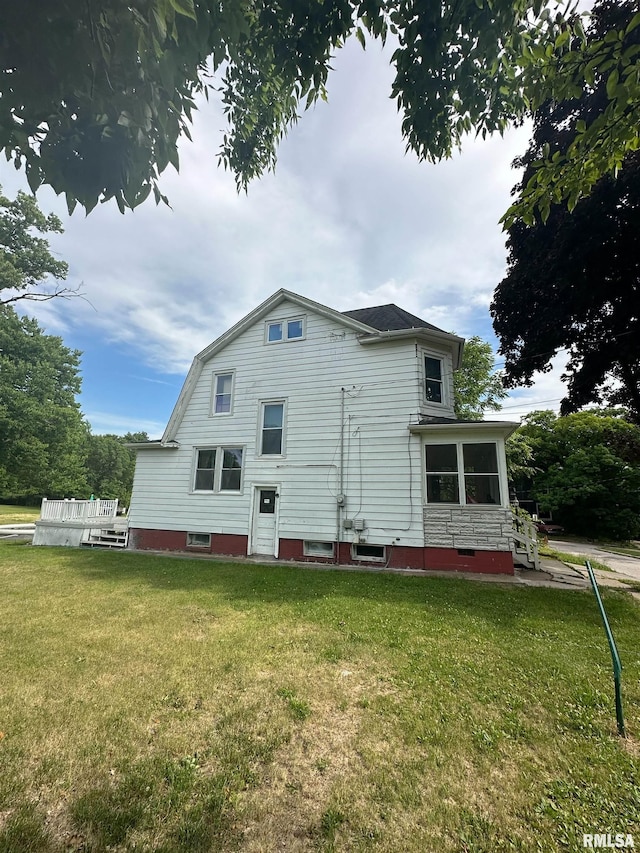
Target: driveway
(621,564)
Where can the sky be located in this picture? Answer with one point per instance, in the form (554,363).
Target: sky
(348,219)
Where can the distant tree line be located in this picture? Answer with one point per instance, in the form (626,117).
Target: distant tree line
(46,446)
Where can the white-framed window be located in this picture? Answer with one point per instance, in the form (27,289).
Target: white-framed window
(272,428)
(370,553)
(434,388)
(198,540)
(314,548)
(462,473)
(291,329)
(222,396)
(218,469)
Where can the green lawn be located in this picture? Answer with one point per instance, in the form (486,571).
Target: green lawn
(18,514)
(179,705)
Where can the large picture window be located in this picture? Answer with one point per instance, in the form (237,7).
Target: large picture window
(462,473)
(218,469)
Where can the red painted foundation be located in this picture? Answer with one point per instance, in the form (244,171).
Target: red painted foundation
(176,540)
(398,557)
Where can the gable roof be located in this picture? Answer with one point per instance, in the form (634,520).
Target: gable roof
(368,333)
(388,318)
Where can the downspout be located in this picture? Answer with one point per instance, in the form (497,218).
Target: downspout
(340,496)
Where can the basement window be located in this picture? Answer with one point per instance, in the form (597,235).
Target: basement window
(313,548)
(370,553)
(198,540)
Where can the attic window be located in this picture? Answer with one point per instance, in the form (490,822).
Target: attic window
(279,331)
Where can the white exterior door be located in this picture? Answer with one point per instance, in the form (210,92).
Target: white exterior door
(265,514)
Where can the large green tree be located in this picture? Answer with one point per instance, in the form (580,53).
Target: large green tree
(43,435)
(573,282)
(26,262)
(111,465)
(95,96)
(586,470)
(477,387)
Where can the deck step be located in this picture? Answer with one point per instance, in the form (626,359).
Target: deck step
(106,538)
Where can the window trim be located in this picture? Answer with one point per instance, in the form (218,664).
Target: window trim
(460,473)
(190,544)
(284,322)
(368,558)
(282,401)
(309,551)
(217,470)
(214,386)
(444,388)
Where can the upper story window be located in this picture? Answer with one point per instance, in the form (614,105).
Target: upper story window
(222,393)
(433,374)
(285,330)
(218,469)
(272,429)
(463,473)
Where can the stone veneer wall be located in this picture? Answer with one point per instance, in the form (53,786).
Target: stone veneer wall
(489,528)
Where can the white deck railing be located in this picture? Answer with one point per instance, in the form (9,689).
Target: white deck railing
(81,511)
(525,536)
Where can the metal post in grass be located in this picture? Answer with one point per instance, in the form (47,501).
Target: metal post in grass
(615,657)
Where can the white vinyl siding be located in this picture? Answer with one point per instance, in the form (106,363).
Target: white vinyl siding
(382,477)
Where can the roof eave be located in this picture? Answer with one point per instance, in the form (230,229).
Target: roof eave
(153,445)
(506,428)
(421,334)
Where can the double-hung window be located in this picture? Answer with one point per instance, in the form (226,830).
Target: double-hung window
(272,429)
(462,473)
(434,391)
(218,469)
(285,330)
(222,393)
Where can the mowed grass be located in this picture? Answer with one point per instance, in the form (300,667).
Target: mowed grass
(163,704)
(10,514)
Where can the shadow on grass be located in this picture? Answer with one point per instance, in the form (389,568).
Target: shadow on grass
(244,584)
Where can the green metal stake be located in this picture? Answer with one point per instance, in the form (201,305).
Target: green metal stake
(615,657)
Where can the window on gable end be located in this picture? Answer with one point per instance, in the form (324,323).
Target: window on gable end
(222,393)
(274,332)
(280,331)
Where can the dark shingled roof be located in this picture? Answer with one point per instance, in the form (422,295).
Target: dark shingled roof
(387,318)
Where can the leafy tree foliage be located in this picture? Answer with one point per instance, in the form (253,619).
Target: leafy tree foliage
(588,471)
(573,282)
(42,432)
(111,465)
(476,386)
(25,259)
(94,97)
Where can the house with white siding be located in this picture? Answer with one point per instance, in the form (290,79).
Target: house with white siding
(304,433)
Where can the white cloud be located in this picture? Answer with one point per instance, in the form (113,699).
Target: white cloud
(348,219)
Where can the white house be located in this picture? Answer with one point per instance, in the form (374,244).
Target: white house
(309,434)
